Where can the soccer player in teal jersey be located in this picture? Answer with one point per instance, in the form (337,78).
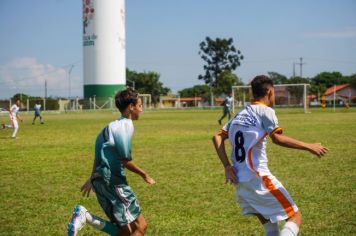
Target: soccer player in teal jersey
(108,179)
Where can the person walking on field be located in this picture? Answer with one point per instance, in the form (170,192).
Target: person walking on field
(227,106)
(37,108)
(108,178)
(14,117)
(258,192)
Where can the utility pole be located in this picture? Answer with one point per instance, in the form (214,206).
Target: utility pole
(300,66)
(69,71)
(45,96)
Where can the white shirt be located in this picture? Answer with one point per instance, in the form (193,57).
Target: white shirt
(13,112)
(247,133)
(37,107)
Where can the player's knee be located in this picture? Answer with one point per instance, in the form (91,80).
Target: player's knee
(124,230)
(297,218)
(142,226)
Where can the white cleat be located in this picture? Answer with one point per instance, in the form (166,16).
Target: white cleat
(77,221)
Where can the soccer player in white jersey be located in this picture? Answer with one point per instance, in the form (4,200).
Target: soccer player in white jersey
(108,179)
(258,191)
(37,109)
(227,106)
(14,117)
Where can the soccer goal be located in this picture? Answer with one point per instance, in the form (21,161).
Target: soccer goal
(286,95)
(146,100)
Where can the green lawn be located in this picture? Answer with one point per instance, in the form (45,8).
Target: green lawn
(42,171)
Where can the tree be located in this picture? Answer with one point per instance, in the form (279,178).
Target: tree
(220,55)
(148,83)
(277,78)
(196,91)
(352,81)
(226,80)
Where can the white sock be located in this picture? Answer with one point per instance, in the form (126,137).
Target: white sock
(95,221)
(271,229)
(290,229)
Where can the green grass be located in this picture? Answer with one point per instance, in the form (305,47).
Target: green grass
(42,171)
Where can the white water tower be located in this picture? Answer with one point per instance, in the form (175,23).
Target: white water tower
(103,47)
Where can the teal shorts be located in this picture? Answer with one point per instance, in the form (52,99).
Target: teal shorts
(119,202)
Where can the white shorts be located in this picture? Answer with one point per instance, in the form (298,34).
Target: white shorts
(266,196)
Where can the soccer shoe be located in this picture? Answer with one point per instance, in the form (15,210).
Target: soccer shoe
(77,221)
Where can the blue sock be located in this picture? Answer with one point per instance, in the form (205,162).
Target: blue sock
(110,228)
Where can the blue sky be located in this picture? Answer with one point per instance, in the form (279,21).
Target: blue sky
(40,40)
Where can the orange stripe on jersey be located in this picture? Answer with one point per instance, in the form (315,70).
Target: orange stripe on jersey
(250,162)
(258,103)
(287,206)
(278,130)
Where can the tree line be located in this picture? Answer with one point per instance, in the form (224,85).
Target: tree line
(222,58)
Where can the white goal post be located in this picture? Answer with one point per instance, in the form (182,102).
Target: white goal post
(146,100)
(285,95)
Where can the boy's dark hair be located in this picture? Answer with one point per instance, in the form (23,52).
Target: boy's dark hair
(126,97)
(260,85)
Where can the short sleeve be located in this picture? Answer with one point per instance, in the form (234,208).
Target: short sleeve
(270,122)
(120,138)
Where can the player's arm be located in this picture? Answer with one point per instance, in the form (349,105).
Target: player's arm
(219,144)
(18,117)
(285,141)
(130,165)
(87,186)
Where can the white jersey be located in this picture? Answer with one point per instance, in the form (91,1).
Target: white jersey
(37,107)
(13,112)
(228,101)
(247,133)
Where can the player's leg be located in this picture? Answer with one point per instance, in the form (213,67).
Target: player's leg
(16,128)
(291,228)
(271,229)
(81,216)
(222,117)
(41,120)
(135,228)
(34,119)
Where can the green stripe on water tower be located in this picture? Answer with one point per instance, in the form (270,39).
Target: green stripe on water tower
(102,90)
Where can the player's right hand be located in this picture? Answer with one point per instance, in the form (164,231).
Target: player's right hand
(230,175)
(86,188)
(149,180)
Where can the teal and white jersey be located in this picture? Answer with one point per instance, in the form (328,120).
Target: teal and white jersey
(113,145)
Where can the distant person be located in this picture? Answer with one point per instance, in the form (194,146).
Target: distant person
(227,106)
(14,117)
(37,108)
(258,192)
(108,178)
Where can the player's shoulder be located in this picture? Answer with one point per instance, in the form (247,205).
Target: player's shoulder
(120,123)
(262,109)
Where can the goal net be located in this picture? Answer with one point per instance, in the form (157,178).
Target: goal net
(286,95)
(146,100)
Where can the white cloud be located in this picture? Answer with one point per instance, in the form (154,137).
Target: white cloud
(28,76)
(349,32)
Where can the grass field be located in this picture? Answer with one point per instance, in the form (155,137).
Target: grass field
(42,171)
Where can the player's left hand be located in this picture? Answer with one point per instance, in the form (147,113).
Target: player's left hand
(86,188)
(149,180)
